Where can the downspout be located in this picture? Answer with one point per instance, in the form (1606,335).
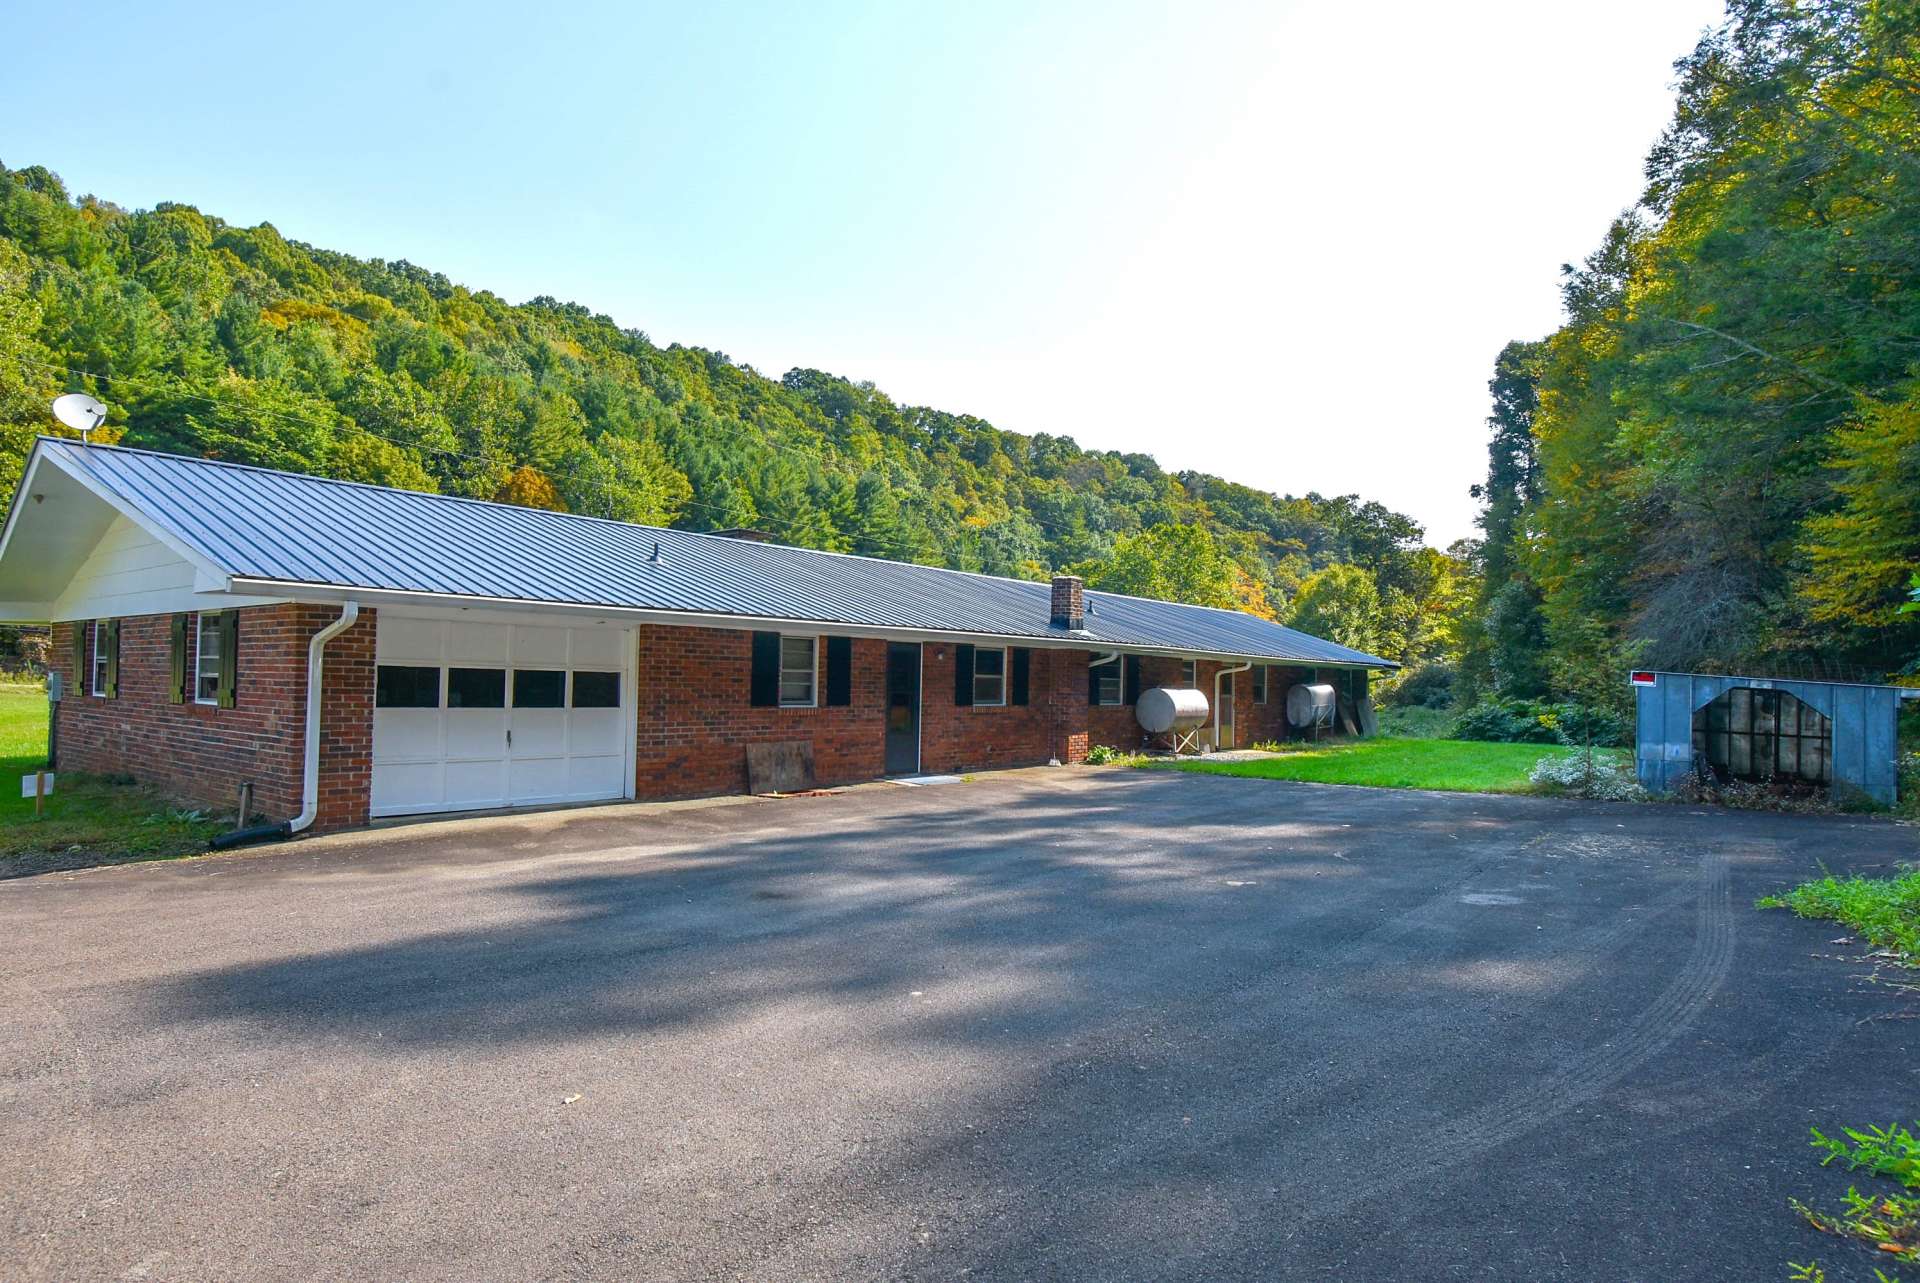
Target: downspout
(1225,672)
(310,776)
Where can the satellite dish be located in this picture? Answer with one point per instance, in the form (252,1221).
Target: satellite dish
(80,412)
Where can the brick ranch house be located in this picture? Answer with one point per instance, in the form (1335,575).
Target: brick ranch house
(352,651)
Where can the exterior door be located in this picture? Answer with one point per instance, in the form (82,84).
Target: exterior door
(903,708)
(1226,710)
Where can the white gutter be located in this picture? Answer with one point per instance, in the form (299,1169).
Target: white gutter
(1224,672)
(310,776)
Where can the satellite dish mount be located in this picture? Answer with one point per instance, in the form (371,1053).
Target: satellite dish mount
(80,412)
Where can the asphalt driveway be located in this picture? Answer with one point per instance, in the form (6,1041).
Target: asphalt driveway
(1054,1025)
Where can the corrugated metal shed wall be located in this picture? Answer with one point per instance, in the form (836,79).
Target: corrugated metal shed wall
(1865,727)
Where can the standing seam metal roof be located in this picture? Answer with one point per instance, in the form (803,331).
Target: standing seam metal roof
(257,523)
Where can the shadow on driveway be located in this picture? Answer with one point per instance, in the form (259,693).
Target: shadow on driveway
(1105,1025)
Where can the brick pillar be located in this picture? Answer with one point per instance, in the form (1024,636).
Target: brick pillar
(1067,701)
(1069,602)
(346,719)
(66,659)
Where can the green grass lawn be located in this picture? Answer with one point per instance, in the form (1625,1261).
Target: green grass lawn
(87,820)
(23,727)
(1454,766)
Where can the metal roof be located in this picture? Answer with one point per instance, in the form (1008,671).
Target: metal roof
(284,528)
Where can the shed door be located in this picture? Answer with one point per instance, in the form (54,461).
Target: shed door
(471,715)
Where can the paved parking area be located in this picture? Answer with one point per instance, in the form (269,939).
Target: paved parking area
(1068,1024)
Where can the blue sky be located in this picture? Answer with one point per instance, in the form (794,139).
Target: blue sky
(1281,242)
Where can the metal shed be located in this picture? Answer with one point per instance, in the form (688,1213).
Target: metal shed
(1834,734)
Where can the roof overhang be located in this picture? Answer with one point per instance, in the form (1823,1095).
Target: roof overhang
(394,598)
(57,518)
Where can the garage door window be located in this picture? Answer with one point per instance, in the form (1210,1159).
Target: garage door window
(537,688)
(596,690)
(476,688)
(406,686)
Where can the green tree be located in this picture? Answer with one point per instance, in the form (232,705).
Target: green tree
(27,384)
(529,488)
(1169,562)
(1860,554)
(235,342)
(1340,604)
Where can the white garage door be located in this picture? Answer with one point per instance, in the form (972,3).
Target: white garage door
(470,715)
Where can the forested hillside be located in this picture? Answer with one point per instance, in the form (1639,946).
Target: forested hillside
(234,342)
(1715,461)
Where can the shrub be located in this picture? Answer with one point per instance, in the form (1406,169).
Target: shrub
(1428,686)
(1103,755)
(1511,721)
(1587,775)
(1414,722)
(1528,721)
(1886,911)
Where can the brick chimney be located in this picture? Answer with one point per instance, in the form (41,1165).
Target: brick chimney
(1069,602)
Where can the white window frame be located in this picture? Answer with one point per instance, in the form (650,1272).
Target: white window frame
(1190,672)
(1117,670)
(1005,676)
(813,673)
(97,660)
(200,621)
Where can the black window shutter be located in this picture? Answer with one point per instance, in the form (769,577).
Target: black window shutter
(1132,679)
(839,670)
(229,657)
(111,643)
(1093,683)
(1022,664)
(177,694)
(963,675)
(764,688)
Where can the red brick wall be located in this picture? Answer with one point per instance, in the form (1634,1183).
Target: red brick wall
(1051,724)
(1117,727)
(346,715)
(695,718)
(200,753)
(694,715)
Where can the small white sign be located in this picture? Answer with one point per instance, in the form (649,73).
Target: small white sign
(27,784)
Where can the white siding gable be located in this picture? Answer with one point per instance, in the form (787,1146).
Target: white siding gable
(129,572)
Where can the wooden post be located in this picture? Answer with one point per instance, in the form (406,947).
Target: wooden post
(39,793)
(246,803)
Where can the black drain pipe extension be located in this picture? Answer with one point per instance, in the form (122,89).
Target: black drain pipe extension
(256,833)
(310,773)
